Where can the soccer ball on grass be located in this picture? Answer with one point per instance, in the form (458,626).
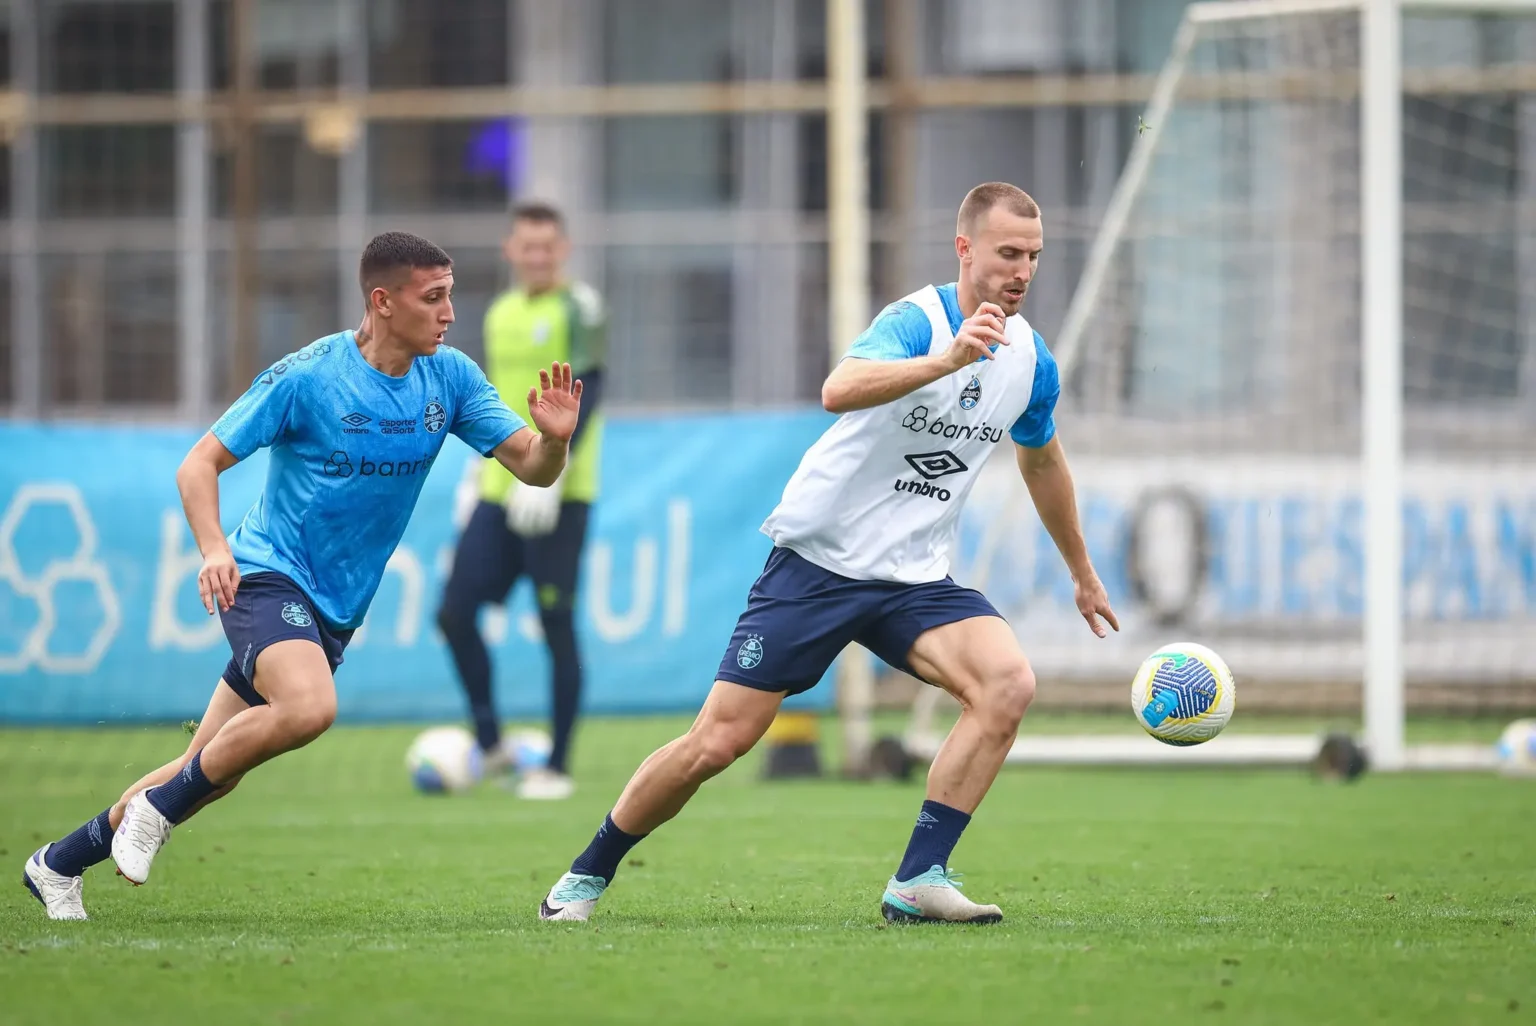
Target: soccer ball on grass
(1516,750)
(1183,694)
(443,760)
(527,749)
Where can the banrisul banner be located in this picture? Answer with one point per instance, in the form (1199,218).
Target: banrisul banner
(100,618)
(1263,559)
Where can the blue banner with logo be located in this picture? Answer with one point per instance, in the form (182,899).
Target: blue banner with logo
(100,619)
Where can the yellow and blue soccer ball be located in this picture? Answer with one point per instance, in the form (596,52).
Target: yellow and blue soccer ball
(1183,694)
(1516,750)
(444,760)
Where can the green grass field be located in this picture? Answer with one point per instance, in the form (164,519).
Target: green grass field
(325,891)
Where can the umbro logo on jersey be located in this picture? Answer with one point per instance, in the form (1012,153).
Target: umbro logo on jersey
(355,423)
(933,465)
(923,488)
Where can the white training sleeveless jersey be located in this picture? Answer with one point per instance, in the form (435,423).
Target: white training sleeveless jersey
(878,497)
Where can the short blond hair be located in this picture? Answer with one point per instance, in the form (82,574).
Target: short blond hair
(984,197)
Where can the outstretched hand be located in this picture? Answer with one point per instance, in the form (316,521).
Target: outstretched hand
(1093,602)
(556,403)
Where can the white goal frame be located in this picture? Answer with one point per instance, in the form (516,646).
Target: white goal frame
(1382,411)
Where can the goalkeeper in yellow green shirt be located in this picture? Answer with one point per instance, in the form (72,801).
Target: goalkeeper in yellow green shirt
(514,529)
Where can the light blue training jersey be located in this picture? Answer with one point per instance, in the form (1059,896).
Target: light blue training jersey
(902,331)
(351,447)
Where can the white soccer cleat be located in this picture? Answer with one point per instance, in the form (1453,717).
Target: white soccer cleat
(59,894)
(545,785)
(572,898)
(934,897)
(139,838)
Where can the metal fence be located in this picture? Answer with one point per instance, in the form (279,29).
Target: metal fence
(186,183)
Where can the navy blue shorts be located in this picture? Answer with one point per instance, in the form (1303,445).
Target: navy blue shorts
(270,608)
(799,617)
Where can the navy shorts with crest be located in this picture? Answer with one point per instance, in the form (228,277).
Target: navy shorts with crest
(269,608)
(800,616)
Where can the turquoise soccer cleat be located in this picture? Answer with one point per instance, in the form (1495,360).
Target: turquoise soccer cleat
(934,897)
(573,897)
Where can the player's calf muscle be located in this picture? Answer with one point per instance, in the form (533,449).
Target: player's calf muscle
(728,726)
(222,708)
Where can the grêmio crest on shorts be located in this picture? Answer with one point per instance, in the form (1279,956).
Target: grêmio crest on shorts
(878,496)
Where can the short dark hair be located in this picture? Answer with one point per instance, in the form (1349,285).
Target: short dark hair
(389,253)
(538,212)
(984,197)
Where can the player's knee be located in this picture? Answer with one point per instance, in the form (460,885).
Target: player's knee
(1008,691)
(715,750)
(305,720)
(712,756)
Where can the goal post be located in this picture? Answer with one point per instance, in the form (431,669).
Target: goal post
(1381,363)
(1344,508)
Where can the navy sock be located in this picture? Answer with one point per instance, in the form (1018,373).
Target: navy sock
(606,851)
(177,796)
(91,844)
(937,832)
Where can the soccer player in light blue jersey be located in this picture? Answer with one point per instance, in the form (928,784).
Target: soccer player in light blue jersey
(354,422)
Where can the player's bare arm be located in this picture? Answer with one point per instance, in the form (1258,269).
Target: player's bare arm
(538,457)
(1049,480)
(857,384)
(198,481)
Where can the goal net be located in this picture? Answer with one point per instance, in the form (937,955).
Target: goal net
(1213,388)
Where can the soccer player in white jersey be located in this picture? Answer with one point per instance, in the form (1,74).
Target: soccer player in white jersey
(862,543)
(354,422)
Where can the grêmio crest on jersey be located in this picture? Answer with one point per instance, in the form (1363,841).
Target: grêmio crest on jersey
(970,395)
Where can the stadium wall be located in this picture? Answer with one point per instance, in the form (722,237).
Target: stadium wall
(100,621)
